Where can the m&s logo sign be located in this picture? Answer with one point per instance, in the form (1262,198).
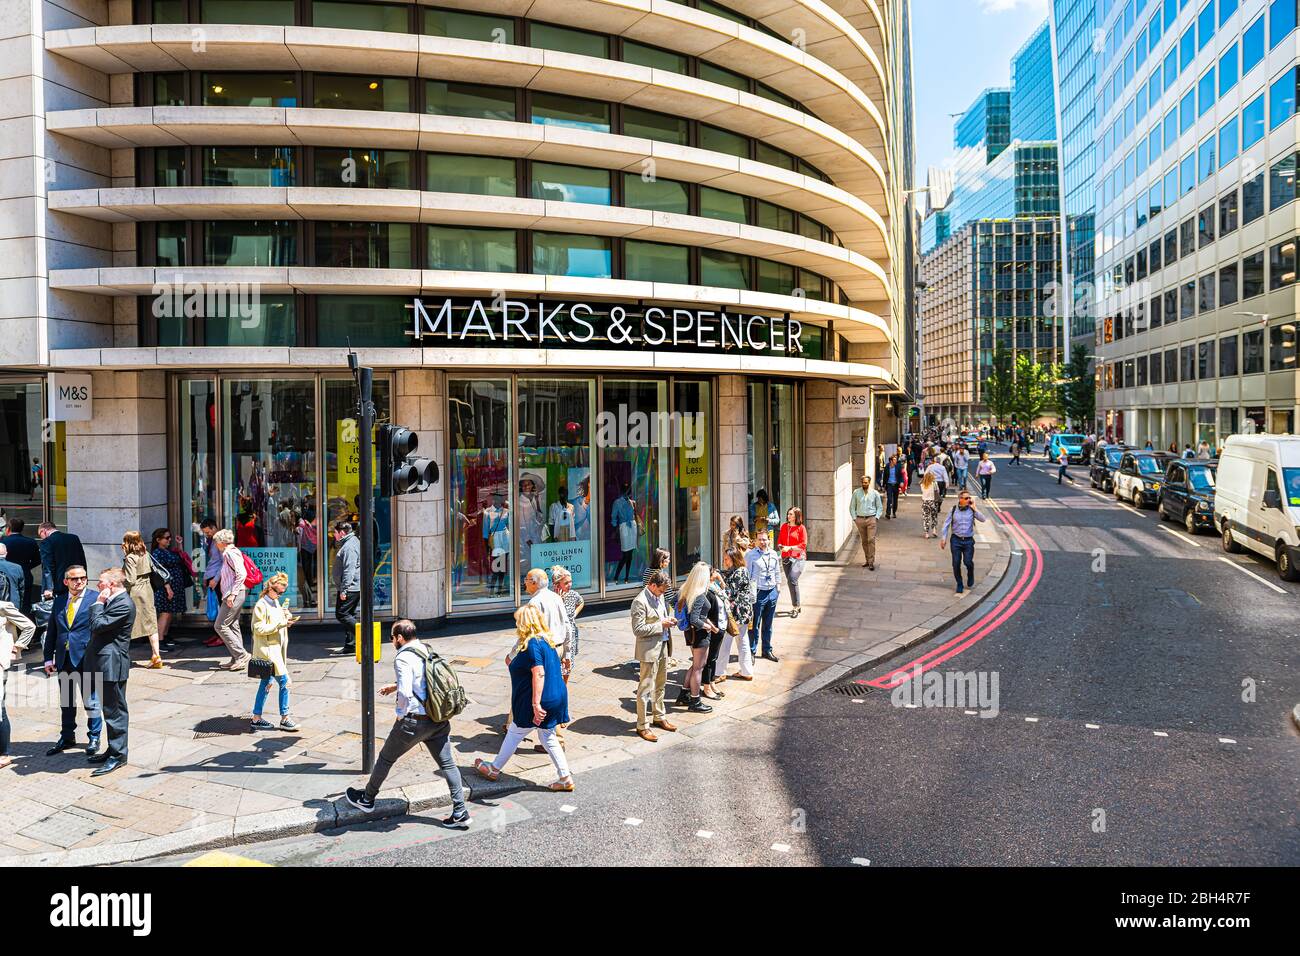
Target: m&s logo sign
(71,397)
(855,401)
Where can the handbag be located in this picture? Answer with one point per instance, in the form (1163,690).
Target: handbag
(213,605)
(159,576)
(260,669)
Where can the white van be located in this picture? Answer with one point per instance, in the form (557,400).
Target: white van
(1257,498)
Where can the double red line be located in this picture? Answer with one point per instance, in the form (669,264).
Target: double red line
(989,622)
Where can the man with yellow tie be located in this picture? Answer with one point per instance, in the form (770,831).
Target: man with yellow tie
(66,639)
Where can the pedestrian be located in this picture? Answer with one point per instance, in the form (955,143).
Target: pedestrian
(984,471)
(67,643)
(346,576)
(961,462)
(1203,450)
(137,568)
(1015,453)
(940,472)
(865,510)
(25,553)
(1063,470)
(764,515)
(232,588)
(169,600)
(740,606)
(720,618)
(212,566)
(271,622)
(12,580)
(1188,451)
(764,569)
(59,550)
(112,620)
(538,698)
(16,633)
(736,536)
(549,604)
(959,529)
(562,584)
(414,725)
(661,560)
(792,542)
(652,627)
(929,505)
(697,605)
(895,479)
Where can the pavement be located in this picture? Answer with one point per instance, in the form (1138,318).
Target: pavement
(200,779)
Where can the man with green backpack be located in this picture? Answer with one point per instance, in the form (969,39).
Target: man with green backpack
(429,695)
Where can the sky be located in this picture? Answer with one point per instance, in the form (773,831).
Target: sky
(961,47)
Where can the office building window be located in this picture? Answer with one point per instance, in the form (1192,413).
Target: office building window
(1228,214)
(469,26)
(559,183)
(1205,365)
(659,195)
(477,175)
(1187,300)
(1281,98)
(557,109)
(1252,122)
(1228,142)
(1227,356)
(1187,363)
(1156,370)
(656,262)
(1252,45)
(249,89)
(1187,237)
(1252,352)
(1205,220)
(1252,199)
(1206,288)
(362,168)
(472,250)
(471,100)
(346,92)
(1281,182)
(1228,285)
(659,127)
(1281,265)
(1171,366)
(1281,20)
(561,254)
(1252,275)
(1282,347)
(386,17)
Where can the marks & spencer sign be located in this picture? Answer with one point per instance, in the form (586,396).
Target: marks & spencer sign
(70,397)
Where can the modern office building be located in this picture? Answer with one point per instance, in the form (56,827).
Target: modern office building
(1073,24)
(610,262)
(1033,97)
(1196,211)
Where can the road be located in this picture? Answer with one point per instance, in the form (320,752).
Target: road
(1144,685)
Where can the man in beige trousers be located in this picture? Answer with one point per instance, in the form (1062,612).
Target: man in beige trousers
(652,626)
(865,509)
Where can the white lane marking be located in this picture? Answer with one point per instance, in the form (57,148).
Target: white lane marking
(781,847)
(1247,571)
(1160,733)
(857,700)
(1226,740)
(972,713)
(1093,726)
(632,822)
(861,861)
(704,834)
(567,808)
(1130,509)
(1031,720)
(911,706)
(1180,535)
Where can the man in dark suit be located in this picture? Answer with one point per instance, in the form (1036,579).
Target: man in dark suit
(59,550)
(111,618)
(67,644)
(13,586)
(24,552)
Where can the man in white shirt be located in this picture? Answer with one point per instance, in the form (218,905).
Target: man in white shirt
(413,727)
(550,604)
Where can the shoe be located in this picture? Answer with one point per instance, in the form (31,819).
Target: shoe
(240,664)
(648,736)
(260,724)
(970,584)
(287,723)
(358,799)
(664,725)
(349,649)
(169,645)
(213,642)
(92,747)
(683,698)
(538,749)
(155,663)
(700,707)
(960,591)
(563,785)
(460,818)
(769,656)
(871,567)
(741,677)
(98,758)
(60,746)
(107,767)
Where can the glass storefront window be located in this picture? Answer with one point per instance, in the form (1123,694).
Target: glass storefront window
(255,243)
(656,262)
(347,92)
(343,486)
(269,475)
(469,26)
(363,168)
(249,89)
(364,245)
(389,18)
(773,451)
(478,470)
(22,456)
(557,109)
(277,13)
(659,195)
(197,460)
(249,166)
(553,500)
(560,254)
(571,184)
(635,478)
(470,100)
(473,250)
(693,520)
(478,175)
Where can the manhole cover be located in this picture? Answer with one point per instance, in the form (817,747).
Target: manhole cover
(220,727)
(852,689)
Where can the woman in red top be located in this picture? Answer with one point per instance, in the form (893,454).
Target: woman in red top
(792,542)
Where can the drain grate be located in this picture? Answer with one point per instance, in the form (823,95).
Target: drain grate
(852,689)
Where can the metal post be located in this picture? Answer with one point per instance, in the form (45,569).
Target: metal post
(366,510)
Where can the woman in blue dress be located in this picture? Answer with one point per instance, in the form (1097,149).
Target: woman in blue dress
(539,699)
(168,600)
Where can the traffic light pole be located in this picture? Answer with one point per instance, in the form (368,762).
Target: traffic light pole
(366,512)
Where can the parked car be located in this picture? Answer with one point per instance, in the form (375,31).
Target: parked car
(1140,476)
(1188,494)
(1257,499)
(1105,462)
(1073,445)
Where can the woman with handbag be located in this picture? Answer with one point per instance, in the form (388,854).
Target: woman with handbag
(169,600)
(271,621)
(740,611)
(138,570)
(697,616)
(719,616)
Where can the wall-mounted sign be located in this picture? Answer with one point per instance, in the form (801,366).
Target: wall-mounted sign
(509,322)
(854,401)
(70,397)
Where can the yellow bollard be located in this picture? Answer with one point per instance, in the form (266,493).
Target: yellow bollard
(379,643)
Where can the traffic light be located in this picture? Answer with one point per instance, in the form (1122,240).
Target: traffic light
(401,471)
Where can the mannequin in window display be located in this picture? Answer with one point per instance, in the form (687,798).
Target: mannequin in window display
(623,517)
(764,516)
(531,519)
(495,521)
(582,511)
(560,517)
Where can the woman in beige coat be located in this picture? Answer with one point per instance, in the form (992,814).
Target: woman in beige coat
(271,621)
(136,566)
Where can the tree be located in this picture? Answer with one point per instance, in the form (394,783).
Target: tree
(1034,388)
(1078,396)
(999,387)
